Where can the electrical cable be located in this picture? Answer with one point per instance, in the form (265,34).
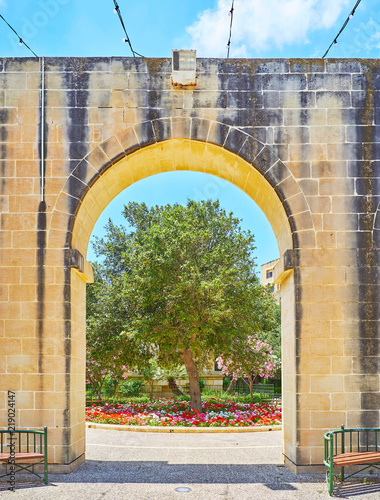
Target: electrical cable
(229,38)
(127,39)
(335,41)
(21,41)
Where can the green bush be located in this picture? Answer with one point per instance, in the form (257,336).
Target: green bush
(201,382)
(136,400)
(184,398)
(131,388)
(237,398)
(109,387)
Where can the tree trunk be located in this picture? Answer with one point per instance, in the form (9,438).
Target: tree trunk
(192,373)
(150,383)
(174,387)
(99,391)
(250,383)
(231,387)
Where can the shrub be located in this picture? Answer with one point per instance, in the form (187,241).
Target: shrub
(131,388)
(134,400)
(201,382)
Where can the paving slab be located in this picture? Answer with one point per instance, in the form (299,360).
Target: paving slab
(151,466)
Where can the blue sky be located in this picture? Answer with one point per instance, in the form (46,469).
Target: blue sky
(261,28)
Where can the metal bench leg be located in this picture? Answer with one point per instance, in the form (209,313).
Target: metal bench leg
(331,480)
(45,457)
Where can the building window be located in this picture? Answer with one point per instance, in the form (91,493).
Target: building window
(269,274)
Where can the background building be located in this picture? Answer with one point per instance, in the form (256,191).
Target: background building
(267,277)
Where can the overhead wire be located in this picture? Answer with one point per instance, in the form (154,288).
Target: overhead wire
(229,38)
(335,41)
(21,41)
(127,39)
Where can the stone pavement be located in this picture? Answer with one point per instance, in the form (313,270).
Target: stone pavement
(150,466)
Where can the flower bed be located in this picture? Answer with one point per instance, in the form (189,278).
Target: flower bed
(171,412)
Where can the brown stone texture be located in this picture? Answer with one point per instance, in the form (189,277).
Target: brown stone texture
(300,137)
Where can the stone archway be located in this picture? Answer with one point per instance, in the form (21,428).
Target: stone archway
(166,145)
(304,135)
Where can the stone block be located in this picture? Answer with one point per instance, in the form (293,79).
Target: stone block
(235,140)
(284,82)
(341,365)
(181,128)
(312,438)
(291,135)
(240,82)
(297,100)
(361,383)
(299,169)
(344,66)
(297,203)
(128,139)
(10,346)
(315,366)
(333,99)
(271,99)
(105,115)
(321,402)
(336,222)
(39,382)
(307,152)
(13,80)
(338,186)
(330,81)
(329,384)
(217,99)
(328,135)
(199,129)
(359,419)
(36,418)
(327,419)
(22,364)
(370,401)
(309,187)
(145,133)
(12,382)
(112,148)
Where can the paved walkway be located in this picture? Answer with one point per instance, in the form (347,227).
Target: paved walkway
(150,466)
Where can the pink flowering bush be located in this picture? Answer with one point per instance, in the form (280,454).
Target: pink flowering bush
(97,371)
(171,412)
(249,360)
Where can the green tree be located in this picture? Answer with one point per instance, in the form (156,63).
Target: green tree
(110,350)
(187,283)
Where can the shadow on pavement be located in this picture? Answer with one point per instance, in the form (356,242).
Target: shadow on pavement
(162,472)
(357,488)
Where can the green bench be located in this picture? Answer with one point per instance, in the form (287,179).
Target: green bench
(21,450)
(350,447)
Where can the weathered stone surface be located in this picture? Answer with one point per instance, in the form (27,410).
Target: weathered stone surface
(300,137)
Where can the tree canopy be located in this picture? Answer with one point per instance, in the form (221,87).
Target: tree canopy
(183,285)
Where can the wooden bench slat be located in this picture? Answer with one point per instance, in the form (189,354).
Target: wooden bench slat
(356,458)
(4,457)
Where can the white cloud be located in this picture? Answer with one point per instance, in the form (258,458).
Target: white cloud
(261,24)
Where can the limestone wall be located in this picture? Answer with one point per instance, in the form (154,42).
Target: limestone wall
(301,137)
